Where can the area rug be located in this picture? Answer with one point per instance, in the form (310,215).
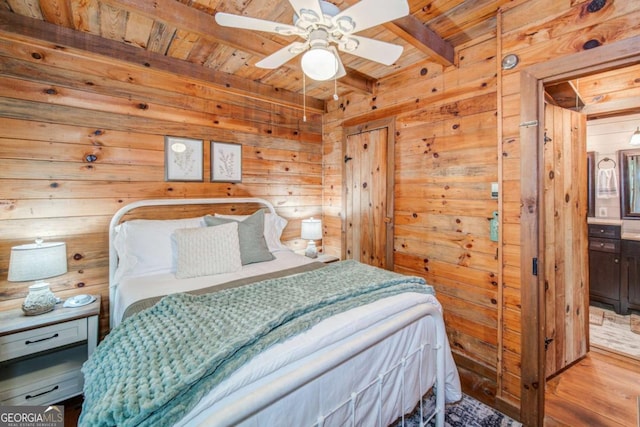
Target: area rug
(468,412)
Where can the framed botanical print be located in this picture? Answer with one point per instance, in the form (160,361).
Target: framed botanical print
(183,159)
(226,162)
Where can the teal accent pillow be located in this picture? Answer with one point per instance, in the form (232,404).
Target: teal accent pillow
(253,246)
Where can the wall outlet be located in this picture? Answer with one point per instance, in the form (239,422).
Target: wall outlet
(602,211)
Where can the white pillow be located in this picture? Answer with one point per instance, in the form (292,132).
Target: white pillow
(207,251)
(273,227)
(144,246)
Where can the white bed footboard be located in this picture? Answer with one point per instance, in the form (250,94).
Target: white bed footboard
(298,376)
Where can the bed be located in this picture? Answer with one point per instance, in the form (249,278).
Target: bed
(205,330)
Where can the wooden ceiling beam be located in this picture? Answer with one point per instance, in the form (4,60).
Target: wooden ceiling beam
(17,26)
(189,19)
(612,108)
(411,30)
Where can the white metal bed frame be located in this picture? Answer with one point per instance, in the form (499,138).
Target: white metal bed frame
(259,399)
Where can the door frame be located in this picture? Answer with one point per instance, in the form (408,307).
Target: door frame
(390,124)
(532,81)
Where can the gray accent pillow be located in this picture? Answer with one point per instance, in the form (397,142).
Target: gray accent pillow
(253,246)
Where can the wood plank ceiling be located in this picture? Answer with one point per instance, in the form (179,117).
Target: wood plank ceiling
(185,30)
(610,93)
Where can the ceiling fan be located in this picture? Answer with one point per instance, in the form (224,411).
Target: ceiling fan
(322,25)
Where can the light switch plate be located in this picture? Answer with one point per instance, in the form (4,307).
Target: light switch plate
(494,190)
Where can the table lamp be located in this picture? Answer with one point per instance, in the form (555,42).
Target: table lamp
(311,231)
(37,261)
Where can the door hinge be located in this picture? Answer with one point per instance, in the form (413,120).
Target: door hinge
(534,266)
(529,124)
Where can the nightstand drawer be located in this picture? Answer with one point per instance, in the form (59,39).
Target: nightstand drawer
(41,339)
(44,379)
(51,390)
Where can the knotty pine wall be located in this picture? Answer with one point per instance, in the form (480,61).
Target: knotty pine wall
(539,31)
(458,131)
(446,157)
(59,104)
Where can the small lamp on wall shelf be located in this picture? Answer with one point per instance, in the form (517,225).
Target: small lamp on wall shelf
(311,231)
(37,261)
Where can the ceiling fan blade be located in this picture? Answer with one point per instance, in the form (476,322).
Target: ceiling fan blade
(369,13)
(374,50)
(310,5)
(282,56)
(247,23)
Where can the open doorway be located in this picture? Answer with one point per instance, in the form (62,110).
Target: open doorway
(602,100)
(533,81)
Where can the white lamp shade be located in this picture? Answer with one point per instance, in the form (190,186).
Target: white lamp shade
(37,261)
(311,229)
(319,64)
(635,138)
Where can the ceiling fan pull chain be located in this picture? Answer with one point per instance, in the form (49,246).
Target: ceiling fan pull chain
(304,98)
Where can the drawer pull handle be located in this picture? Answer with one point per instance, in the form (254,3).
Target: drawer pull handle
(28,396)
(41,339)
(602,245)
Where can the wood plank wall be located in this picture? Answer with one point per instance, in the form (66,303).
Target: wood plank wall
(446,157)
(539,31)
(59,104)
(450,145)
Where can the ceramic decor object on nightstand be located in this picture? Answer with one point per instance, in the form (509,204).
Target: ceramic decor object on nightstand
(41,356)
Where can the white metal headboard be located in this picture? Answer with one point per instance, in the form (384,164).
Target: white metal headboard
(115,220)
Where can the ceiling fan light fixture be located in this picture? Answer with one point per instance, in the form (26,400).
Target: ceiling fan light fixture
(319,64)
(635,138)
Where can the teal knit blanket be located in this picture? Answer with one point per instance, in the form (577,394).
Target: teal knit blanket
(154,367)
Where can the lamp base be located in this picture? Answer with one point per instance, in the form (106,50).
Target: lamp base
(39,300)
(312,250)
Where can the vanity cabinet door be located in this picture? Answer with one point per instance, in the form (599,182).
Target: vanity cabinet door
(604,278)
(631,279)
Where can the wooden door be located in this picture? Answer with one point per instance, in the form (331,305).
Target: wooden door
(368,174)
(565,237)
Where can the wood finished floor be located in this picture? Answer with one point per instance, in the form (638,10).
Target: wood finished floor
(600,390)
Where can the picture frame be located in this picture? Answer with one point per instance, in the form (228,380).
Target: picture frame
(226,162)
(183,159)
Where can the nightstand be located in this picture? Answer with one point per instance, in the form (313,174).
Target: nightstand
(41,356)
(327,258)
